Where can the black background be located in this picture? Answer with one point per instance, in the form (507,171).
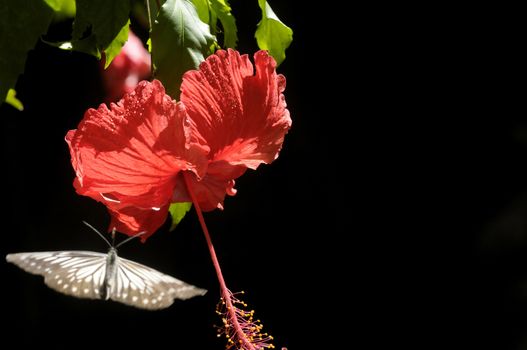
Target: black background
(396,214)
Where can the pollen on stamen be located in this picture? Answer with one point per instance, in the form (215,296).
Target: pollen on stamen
(247,329)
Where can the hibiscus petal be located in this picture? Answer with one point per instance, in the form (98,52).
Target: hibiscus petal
(239,113)
(210,190)
(132,220)
(120,153)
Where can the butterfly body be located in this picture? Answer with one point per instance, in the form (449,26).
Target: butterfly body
(92,275)
(110,274)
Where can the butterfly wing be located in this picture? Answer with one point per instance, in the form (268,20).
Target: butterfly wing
(76,273)
(143,287)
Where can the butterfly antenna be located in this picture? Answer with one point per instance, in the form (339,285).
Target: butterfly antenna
(130,238)
(100,234)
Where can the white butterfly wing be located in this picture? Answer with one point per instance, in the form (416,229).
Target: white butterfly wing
(76,273)
(143,287)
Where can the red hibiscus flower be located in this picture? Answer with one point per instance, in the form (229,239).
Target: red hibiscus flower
(241,116)
(131,157)
(129,67)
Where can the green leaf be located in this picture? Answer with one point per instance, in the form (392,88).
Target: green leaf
(203,10)
(180,42)
(209,11)
(271,34)
(149,45)
(177,212)
(63,8)
(13,101)
(68,8)
(56,5)
(223,11)
(21,25)
(99,27)
(87,45)
(116,45)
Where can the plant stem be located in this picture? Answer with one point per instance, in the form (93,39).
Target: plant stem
(150,36)
(224,290)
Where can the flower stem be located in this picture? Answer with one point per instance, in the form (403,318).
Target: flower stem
(223,287)
(147,2)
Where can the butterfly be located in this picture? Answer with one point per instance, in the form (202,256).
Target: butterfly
(91,275)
